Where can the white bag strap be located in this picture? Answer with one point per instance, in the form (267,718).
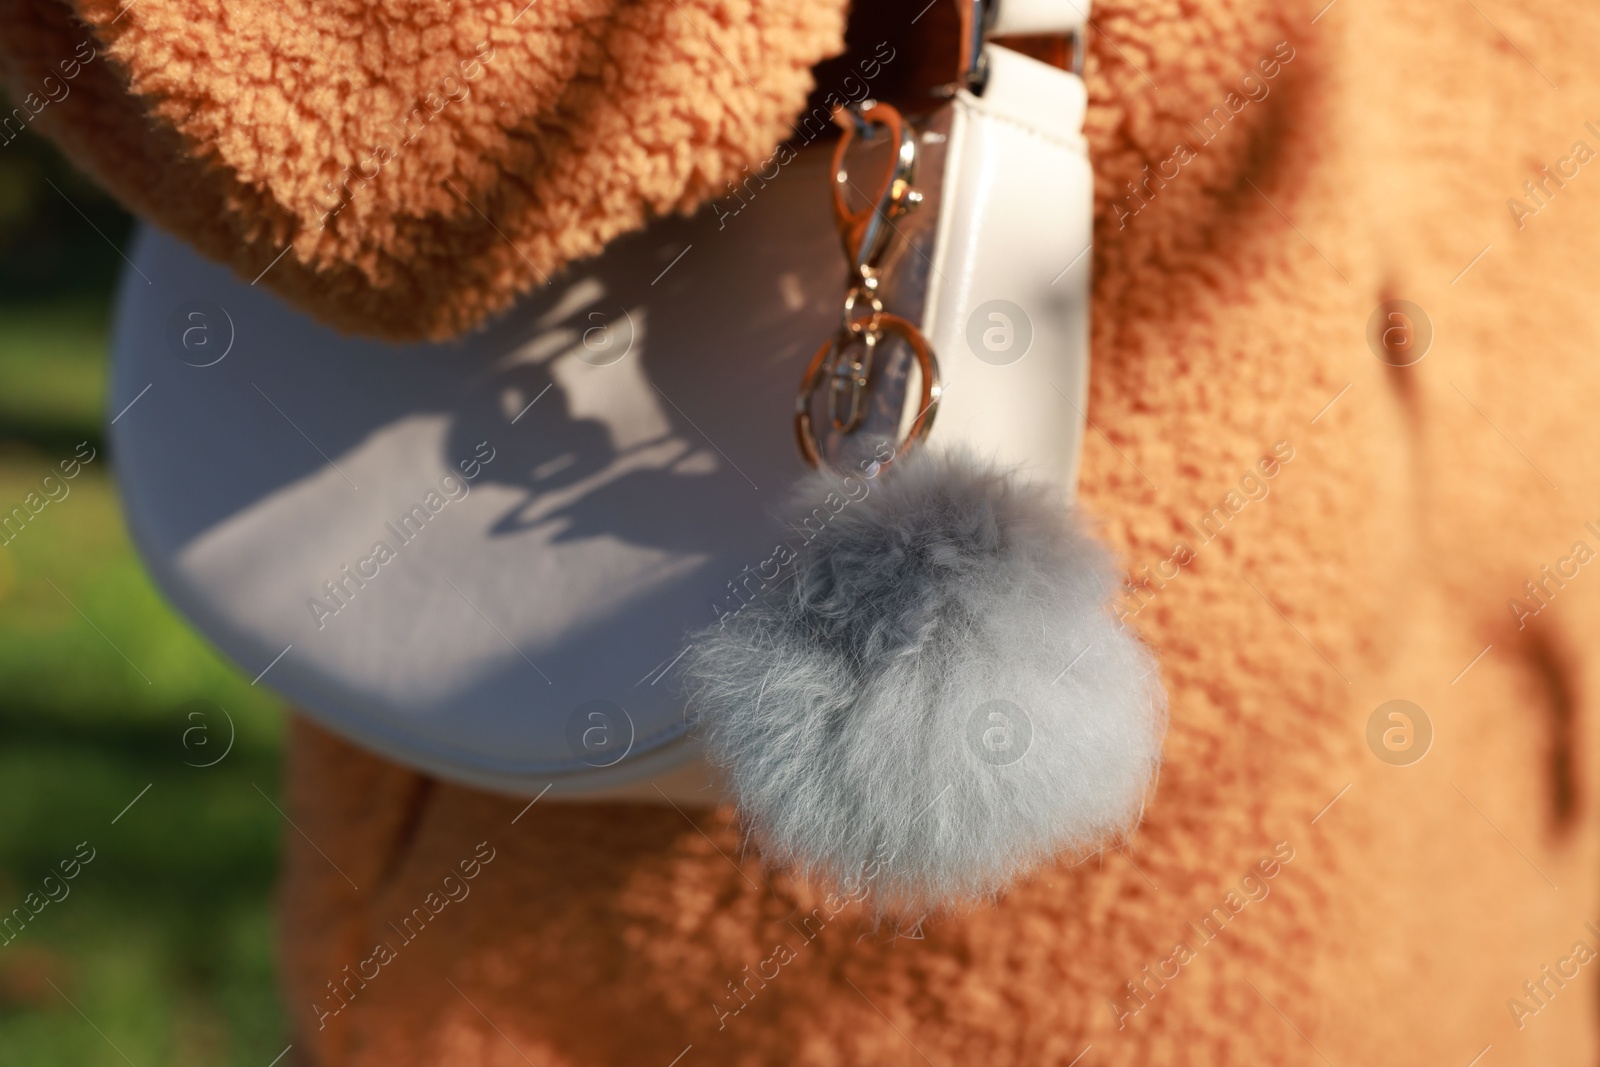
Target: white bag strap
(1027,17)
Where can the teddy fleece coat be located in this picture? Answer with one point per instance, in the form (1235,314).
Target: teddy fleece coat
(1424,534)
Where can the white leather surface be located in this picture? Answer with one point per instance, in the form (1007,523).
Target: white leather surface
(1041,16)
(1014,242)
(623,498)
(614,514)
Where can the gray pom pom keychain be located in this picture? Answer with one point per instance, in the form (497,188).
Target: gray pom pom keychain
(937,697)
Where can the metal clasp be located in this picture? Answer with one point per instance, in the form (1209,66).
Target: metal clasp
(846,361)
(850,374)
(866,233)
(978,21)
(831,357)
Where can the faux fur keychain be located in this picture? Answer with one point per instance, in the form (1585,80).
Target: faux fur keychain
(940,699)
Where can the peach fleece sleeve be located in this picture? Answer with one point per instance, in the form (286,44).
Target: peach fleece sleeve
(404,168)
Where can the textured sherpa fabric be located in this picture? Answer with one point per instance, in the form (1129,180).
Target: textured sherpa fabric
(936,697)
(404,168)
(1290,898)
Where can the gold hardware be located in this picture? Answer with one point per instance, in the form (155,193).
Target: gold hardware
(866,233)
(848,361)
(830,356)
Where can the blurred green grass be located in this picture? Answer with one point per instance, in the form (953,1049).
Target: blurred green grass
(52,373)
(163,952)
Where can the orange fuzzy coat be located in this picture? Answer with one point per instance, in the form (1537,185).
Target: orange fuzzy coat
(1291,897)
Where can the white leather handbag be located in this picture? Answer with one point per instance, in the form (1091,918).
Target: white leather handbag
(482,558)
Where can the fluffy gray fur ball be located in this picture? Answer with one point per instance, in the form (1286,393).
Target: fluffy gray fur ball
(937,698)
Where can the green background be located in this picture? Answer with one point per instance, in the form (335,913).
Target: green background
(163,952)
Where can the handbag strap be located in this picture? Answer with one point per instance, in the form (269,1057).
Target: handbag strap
(1043,28)
(1027,18)
(912,63)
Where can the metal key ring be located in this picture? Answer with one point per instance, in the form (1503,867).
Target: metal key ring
(817,370)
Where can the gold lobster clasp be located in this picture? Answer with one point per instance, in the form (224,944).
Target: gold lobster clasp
(866,232)
(847,360)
